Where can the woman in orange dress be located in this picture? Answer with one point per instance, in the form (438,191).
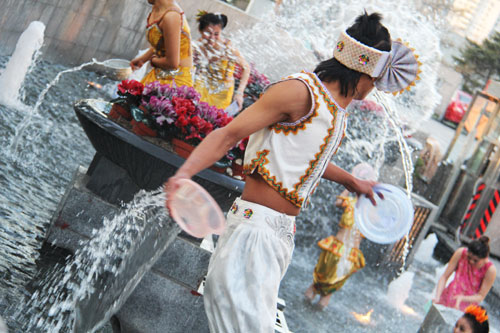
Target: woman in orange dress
(170,52)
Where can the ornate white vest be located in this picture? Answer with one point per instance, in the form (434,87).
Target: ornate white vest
(292,157)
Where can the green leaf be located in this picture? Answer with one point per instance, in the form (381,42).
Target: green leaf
(137,113)
(119,100)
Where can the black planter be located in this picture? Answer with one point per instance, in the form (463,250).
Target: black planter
(146,164)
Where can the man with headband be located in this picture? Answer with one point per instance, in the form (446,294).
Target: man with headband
(295,128)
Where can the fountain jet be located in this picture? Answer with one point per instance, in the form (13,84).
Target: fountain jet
(25,53)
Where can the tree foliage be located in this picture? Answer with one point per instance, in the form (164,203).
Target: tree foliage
(479,63)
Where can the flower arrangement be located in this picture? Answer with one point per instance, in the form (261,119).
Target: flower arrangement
(130,94)
(178,112)
(131,91)
(172,112)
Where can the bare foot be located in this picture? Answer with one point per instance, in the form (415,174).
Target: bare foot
(310,294)
(323,301)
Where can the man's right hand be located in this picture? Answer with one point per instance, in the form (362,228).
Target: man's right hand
(172,184)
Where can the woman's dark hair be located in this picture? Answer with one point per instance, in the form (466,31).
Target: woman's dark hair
(477,327)
(368,30)
(207,19)
(480,247)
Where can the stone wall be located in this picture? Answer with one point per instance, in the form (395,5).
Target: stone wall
(79,30)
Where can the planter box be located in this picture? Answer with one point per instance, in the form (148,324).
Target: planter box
(147,164)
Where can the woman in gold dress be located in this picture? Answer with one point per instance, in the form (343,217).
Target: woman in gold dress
(215,60)
(170,53)
(340,257)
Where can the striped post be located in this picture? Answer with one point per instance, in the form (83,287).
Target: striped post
(472,206)
(488,213)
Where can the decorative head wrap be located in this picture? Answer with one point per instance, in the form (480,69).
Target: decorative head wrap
(478,312)
(200,14)
(395,71)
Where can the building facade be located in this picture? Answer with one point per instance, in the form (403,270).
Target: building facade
(474,19)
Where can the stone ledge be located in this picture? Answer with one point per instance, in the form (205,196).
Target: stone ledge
(160,305)
(184,263)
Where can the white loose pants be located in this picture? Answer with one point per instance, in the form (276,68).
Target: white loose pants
(246,268)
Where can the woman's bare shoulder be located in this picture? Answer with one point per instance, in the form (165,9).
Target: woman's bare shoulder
(171,16)
(458,254)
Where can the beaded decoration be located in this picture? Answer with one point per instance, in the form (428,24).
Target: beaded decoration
(234,208)
(340,46)
(247,213)
(363,59)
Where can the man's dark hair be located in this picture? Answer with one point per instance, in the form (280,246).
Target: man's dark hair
(210,18)
(368,30)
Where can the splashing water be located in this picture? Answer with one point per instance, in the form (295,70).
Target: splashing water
(27,120)
(344,265)
(23,157)
(309,28)
(34,178)
(424,252)
(25,54)
(394,120)
(93,285)
(399,290)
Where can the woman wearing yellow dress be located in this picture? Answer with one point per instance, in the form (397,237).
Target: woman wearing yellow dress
(215,60)
(170,53)
(340,257)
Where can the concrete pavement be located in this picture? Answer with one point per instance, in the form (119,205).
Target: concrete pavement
(444,135)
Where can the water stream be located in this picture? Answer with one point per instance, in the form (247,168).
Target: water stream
(65,297)
(25,54)
(33,178)
(44,144)
(27,120)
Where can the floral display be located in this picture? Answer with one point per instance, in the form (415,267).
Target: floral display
(172,112)
(178,112)
(130,91)
(130,95)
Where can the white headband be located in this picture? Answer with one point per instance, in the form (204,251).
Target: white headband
(395,71)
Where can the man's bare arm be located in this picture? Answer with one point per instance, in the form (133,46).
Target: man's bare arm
(280,102)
